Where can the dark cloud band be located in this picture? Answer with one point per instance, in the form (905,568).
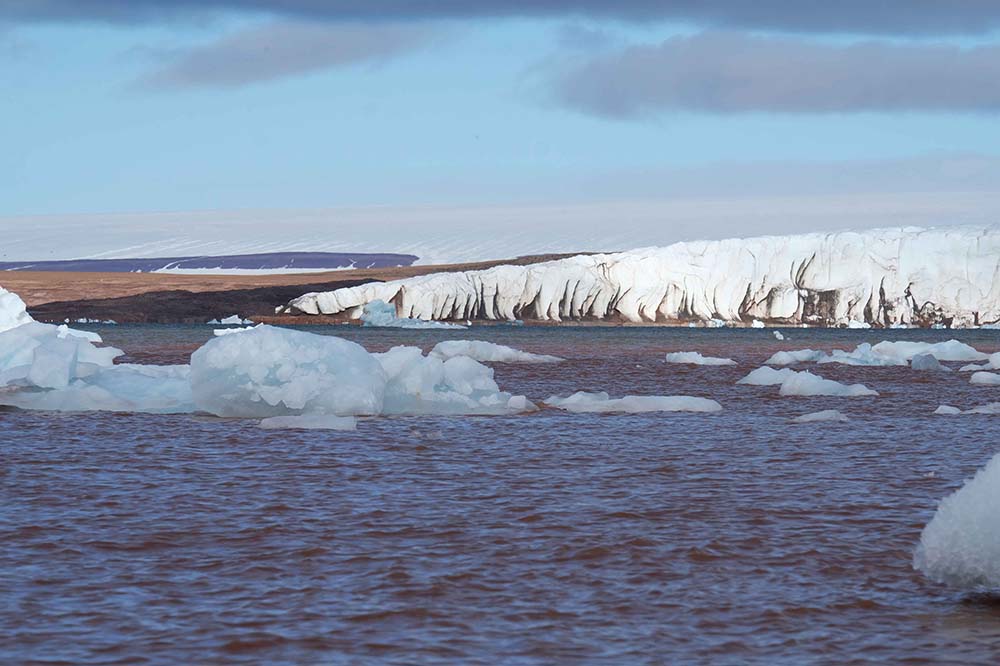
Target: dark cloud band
(733,73)
(900,17)
(281,49)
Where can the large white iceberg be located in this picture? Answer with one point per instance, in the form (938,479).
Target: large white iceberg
(695,358)
(881,277)
(261,372)
(488,352)
(271,371)
(602,403)
(960,546)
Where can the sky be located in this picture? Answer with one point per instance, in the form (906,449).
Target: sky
(162,111)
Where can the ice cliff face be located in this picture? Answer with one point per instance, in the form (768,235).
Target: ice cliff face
(882,277)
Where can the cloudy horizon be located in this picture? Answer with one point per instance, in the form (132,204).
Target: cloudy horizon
(147,106)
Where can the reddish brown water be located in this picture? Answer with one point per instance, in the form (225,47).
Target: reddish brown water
(548,538)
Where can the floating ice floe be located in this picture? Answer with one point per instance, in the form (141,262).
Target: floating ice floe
(885,353)
(778,335)
(766,376)
(853,323)
(807,384)
(992,363)
(85,320)
(948,410)
(602,403)
(960,546)
(825,415)
(383,315)
(310,422)
(985,379)
(757,323)
(232,320)
(418,384)
(45,356)
(927,362)
(803,383)
(695,358)
(488,352)
(793,357)
(874,277)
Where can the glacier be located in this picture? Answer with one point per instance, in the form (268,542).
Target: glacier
(884,277)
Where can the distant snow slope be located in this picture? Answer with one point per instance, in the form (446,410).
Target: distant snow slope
(890,276)
(271,262)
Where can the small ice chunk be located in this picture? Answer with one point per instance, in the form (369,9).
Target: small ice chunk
(383,315)
(927,362)
(602,403)
(757,323)
(960,546)
(992,363)
(766,376)
(806,384)
(990,409)
(232,320)
(792,357)
(488,352)
(778,335)
(825,415)
(310,422)
(985,379)
(695,358)
(853,323)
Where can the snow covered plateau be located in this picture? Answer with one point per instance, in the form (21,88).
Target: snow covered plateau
(902,276)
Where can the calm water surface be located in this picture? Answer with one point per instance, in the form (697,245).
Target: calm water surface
(550,538)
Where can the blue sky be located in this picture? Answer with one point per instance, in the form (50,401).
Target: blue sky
(105,111)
